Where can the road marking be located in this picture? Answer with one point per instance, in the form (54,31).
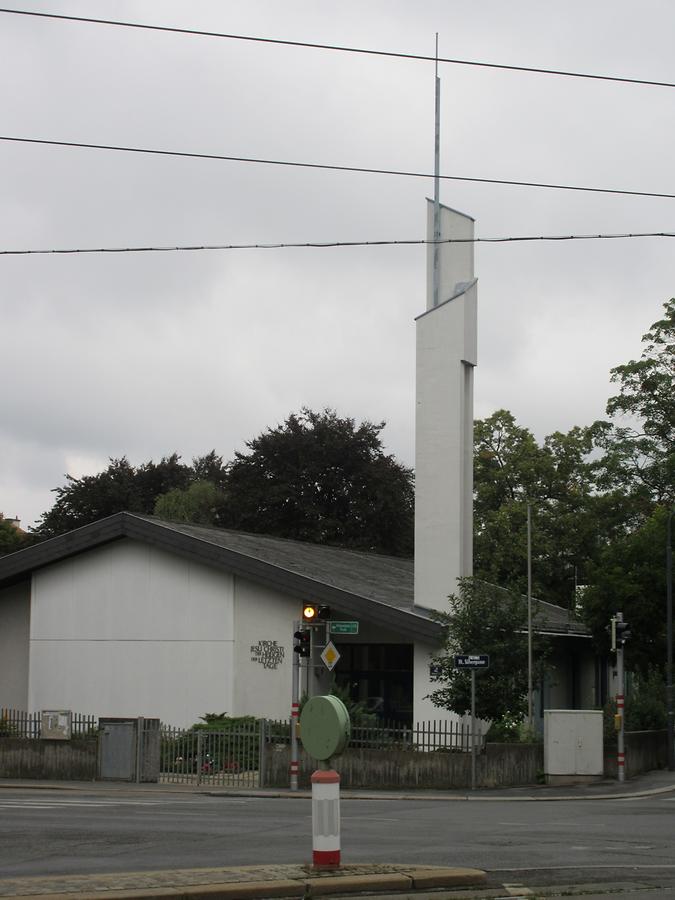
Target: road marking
(57,803)
(518,890)
(367,819)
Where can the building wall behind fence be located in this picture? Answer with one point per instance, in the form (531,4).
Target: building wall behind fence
(132,630)
(74,760)
(500,765)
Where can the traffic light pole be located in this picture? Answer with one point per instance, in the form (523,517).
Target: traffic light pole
(295,707)
(670,722)
(620,707)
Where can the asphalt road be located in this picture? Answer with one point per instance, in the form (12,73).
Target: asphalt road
(56,832)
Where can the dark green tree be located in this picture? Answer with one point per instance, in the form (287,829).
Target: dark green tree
(12,538)
(640,450)
(638,467)
(118,488)
(487,619)
(199,503)
(322,478)
(558,480)
(629,577)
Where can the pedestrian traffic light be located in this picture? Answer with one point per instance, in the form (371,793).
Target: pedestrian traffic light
(303,641)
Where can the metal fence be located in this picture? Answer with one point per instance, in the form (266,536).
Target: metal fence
(19,724)
(439,734)
(236,757)
(233,757)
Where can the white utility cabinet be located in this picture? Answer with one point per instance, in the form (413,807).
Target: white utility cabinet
(573,745)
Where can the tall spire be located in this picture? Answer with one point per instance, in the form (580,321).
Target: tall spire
(437,184)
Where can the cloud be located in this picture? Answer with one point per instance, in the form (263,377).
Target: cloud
(148,354)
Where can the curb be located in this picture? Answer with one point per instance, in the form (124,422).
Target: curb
(298,880)
(131,788)
(435,798)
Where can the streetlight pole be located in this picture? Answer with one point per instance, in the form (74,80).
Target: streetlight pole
(669,641)
(530,718)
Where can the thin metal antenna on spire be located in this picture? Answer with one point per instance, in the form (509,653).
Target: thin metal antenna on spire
(437,184)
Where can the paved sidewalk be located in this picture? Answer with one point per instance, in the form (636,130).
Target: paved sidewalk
(660,781)
(243,882)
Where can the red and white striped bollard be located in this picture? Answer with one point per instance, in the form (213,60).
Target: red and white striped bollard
(326,818)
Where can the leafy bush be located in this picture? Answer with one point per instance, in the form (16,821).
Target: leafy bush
(504,731)
(645,706)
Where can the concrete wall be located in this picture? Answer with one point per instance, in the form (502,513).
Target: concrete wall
(446,355)
(14,637)
(129,630)
(456,261)
(645,751)
(500,765)
(75,760)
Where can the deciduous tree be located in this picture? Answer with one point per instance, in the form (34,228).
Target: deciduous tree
(484,619)
(323,478)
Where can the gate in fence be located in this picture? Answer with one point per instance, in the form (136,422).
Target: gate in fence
(233,758)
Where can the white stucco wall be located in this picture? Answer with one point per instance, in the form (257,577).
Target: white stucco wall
(423,709)
(446,355)
(131,630)
(264,650)
(14,636)
(443,452)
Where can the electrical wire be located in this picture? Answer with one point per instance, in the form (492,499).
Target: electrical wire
(329,244)
(339,48)
(335,168)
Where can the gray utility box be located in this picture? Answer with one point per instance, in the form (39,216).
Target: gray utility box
(128,749)
(573,745)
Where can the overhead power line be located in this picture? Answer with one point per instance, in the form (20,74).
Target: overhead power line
(340,48)
(335,168)
(327,244)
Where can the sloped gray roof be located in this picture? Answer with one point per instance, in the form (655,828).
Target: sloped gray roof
(386,579)
(375,588)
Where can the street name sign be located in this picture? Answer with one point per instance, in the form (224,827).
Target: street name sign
(472,661)
(344,627)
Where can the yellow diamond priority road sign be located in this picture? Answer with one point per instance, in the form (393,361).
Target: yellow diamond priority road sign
(330,656)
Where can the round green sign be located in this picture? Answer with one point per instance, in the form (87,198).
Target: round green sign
(324,727)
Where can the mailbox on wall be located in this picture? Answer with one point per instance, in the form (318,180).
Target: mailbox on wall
(56,724)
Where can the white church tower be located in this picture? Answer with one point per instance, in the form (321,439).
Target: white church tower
(446,356)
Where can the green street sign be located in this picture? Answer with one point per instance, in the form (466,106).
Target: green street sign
(344,627)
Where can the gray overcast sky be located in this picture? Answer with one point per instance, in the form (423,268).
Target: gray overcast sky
(146,354)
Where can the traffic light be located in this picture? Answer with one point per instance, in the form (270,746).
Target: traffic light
(302,647)
(619,632)
(623,632)
(312,613)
